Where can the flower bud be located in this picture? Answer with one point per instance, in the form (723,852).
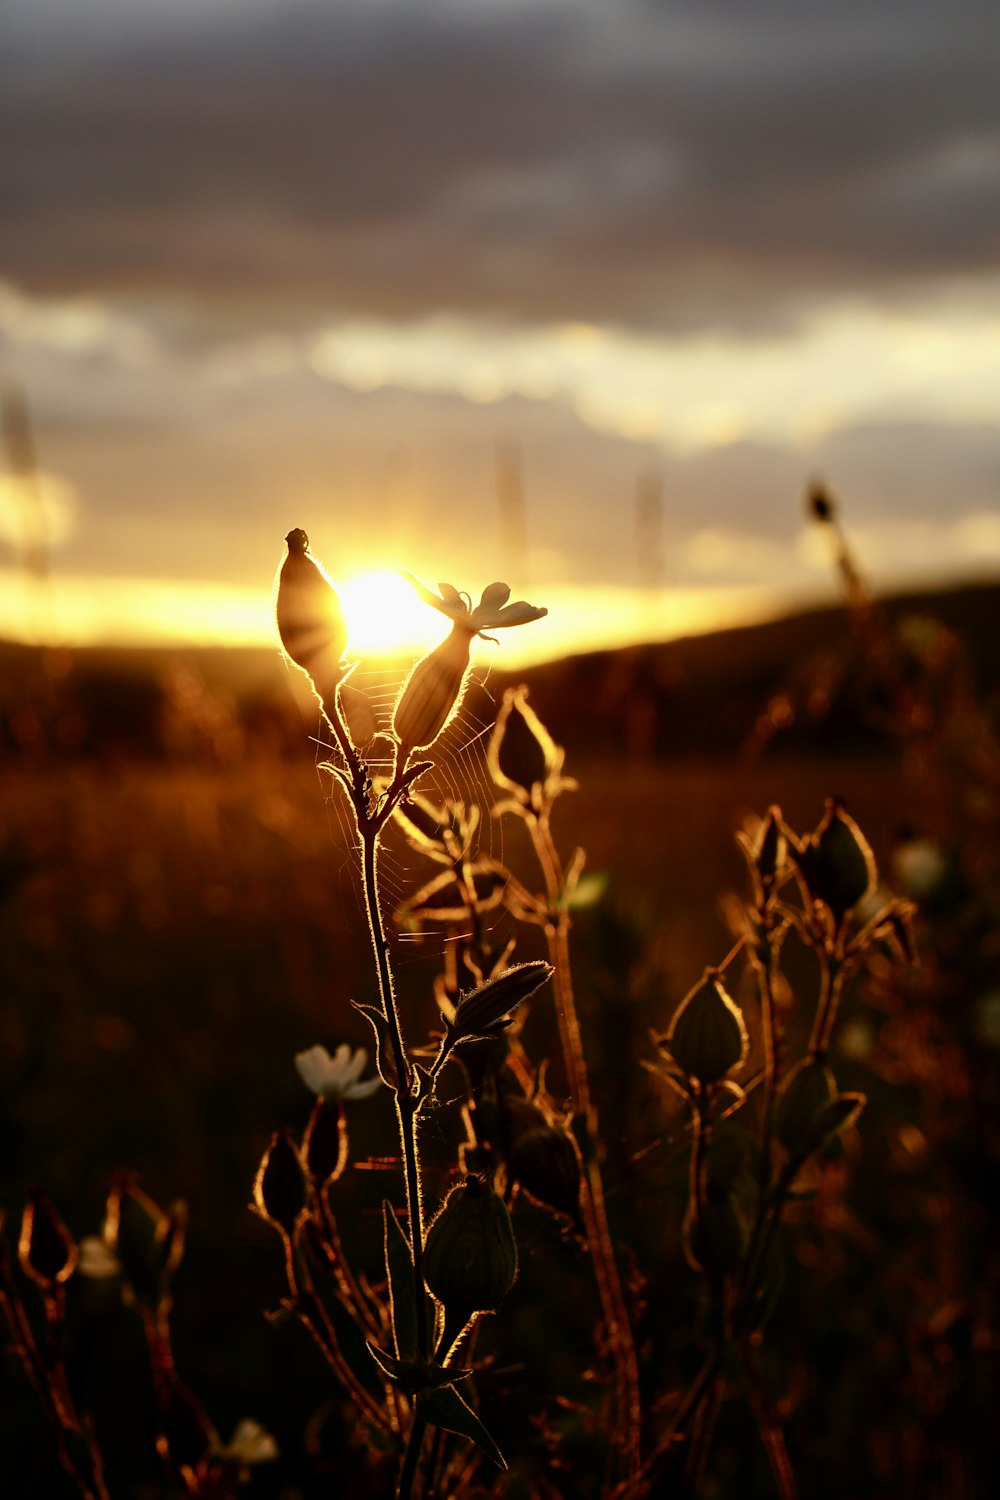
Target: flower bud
(46,1249)
(819,503)
(522,757)
(470,1256)
(544,1161)
(707,1038)
(280,1189)
(432,692)
(310,622)
(486,1010)
(837,865)
(146,1242)
(809,1111)
(325,1143)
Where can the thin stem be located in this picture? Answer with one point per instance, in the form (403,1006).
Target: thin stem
(315,1317)
(411,1458)
(405,1111)
(831,983)
(595,1217)
(771,1434)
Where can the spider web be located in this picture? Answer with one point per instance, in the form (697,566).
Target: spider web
(460,774)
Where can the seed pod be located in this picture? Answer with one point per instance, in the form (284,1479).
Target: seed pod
(470,1255)
(280,1189)
(707,1038)
(46,1249)
(544,1161)
(836,862)
(310,622)
(432,692)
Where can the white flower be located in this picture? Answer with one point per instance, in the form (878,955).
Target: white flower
(250,1444)
(336,1077)
(491,613)
(97,1259)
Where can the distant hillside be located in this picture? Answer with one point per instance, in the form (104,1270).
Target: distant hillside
(697,695)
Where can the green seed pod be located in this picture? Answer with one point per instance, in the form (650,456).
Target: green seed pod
(544,1161)
(432,692)
(836,863)
(470,1256)
(707,1038)
(310,623)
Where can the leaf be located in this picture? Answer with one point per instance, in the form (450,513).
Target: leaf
(402,1372)
(399,1270)
(384,1061)
(444,1407)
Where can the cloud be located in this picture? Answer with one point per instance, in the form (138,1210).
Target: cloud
(684,166)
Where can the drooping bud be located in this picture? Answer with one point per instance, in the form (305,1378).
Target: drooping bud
(544,1161)
(432,692)
(470,1255)
(280,1189)
(310,622)
(837,864)
(46,1249)
(707,1037)
(523,757)
(485,1011)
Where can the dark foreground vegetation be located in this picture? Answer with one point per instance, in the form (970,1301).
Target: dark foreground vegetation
(181,916)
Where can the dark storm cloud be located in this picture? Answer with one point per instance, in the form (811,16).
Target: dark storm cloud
(683,164)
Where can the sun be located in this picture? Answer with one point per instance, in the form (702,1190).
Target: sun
(385,617)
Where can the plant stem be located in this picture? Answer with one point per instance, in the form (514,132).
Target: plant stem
(405,1111)
(628,1421)
(411,1458)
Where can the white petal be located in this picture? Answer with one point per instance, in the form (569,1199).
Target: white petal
(314,1067)
(97,1259)
(495,595)
(251,1444)
(354,1070)
(519,613)
(363,1090)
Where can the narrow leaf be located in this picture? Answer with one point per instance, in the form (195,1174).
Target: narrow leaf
(444,1407)
(399,1272)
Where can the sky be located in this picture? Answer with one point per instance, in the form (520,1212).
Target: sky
(581,295)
